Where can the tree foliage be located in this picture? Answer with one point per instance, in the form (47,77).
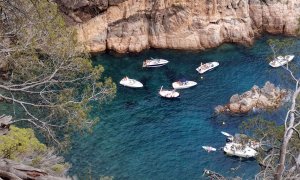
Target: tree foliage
(280,47)
(271,138)
(21,145)
(49,80)
(264,131)
(282,159)
(19,142)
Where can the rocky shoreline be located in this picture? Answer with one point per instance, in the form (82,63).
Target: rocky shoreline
(268,97)
(132,26)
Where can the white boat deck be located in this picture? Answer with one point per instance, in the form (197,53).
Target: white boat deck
(168,93)
(235,149)
(280,61)
(131,83)
(183,84)
(155,63)
(207,67)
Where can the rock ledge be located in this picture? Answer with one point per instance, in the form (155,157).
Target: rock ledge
(268,97)
(132,26)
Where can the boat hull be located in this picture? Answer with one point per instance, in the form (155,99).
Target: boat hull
(155,63)
(209,148)
(168,94)
(210,67)
(289,57)
(153,66)
(226,134)
(280,61)
(184,85)
(132,83)
(234,149)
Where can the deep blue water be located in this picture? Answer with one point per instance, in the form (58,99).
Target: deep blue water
(142,136)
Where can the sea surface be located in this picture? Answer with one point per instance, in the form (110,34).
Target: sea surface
(142,136)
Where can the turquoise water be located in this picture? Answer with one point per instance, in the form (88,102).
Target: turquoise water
(142,136)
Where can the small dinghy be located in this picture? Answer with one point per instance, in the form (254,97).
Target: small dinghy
(229,138)
(213,175)
(280,60)
(154,62)
(207,67)
(226,134)
(183,84)
(209,148)
(131,83)
(168,93)
(235,149)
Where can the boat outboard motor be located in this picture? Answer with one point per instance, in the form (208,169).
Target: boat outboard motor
(229,139)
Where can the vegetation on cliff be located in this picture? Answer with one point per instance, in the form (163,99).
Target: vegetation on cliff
(21,145)
(19,141)
(47,82)
(279,155)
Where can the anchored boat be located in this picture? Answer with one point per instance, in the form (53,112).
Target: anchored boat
(131,83)
(168,93)
(209,148)
(229,138)
(183,84)
(154,62)
(226,134)
(242,139)
(281,60)
(235,149)
(207,67)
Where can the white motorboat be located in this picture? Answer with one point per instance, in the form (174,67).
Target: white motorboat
(183,84)
(242,139)
(209,148)
(168,93)
(229,138)
(289,57)
(207,67)
(131,83)
(154,62)
(235,149)
(226,134)
(280,60)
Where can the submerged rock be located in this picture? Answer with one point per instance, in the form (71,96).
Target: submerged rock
(268,97)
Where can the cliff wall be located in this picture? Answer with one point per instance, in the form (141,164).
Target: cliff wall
(134,25)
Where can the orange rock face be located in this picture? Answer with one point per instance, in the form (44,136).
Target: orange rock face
(135,25)
(267,98)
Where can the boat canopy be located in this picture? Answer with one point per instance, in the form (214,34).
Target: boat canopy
(183,80)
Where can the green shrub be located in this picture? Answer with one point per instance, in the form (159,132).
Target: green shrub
(58,168)
(19,141)
(36,161)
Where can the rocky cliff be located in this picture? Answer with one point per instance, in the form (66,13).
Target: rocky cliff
(268,97)
(134,25)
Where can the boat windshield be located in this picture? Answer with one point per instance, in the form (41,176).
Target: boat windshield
(182,81)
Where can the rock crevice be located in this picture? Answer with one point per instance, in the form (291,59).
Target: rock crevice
(134,25)
(268,97)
